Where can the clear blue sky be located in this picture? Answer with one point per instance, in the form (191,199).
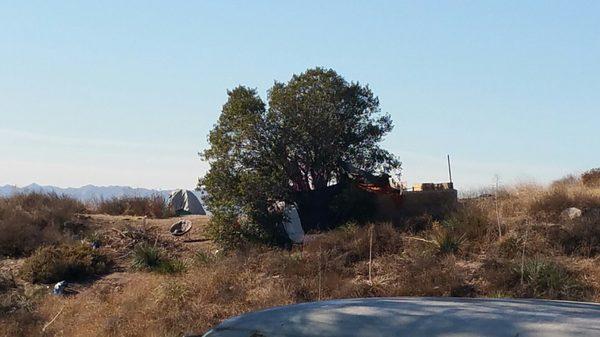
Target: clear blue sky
(125,92)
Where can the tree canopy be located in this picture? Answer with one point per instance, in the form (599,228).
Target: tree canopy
(316,125)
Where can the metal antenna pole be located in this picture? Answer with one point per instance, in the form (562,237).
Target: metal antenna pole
(449,169)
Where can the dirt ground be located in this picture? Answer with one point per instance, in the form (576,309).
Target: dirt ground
(119,235)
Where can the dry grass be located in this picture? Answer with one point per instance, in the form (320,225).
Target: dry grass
(28,221)
(534,254)
(154,206)
(591,178)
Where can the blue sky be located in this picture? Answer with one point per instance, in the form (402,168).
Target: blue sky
(125,92)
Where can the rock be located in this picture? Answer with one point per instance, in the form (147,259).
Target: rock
(570,213)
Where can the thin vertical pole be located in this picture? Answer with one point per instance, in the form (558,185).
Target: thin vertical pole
(523,254)
(370,254)
(449,168)
(497,206)
(320,272)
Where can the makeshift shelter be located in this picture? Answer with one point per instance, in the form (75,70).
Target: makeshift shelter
(293,225)
(185,202)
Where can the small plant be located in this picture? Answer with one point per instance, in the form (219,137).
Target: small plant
(64,262)
(543,278)
(171,266)
(147,257)
(446,241)
(202,257)
(96,239)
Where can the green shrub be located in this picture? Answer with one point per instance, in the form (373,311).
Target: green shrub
(202,257)
(171,266)
(151,258)
(64,262)
(446,241)
(230,231)
(146,256)
(547,279)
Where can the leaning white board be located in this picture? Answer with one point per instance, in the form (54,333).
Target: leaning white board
(293,225)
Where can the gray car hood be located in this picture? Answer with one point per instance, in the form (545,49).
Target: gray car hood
(418,317)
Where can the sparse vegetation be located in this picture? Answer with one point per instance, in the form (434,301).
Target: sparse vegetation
(28,221)
(547,279)
(446,241)
(548,203)
(591,178)
(538,255)
(148,257)
(64,262)
(154,206)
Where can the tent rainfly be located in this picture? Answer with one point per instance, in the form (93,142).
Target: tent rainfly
(185,202)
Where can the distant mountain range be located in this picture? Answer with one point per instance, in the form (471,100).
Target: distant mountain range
(88,192)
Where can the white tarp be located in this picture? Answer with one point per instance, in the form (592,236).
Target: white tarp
(184,200)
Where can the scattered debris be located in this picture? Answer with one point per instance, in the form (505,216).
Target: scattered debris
(181,227)
(53,319)
(59,288)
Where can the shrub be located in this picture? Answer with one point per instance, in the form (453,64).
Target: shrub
(64,262)
(568,180)
(547,279)
(28,221)
(171,266)
(446,241)
(202,257)
(591,178)
(154,206)
(582,237)
(471,221)
(151,258)
(230,231)
(7,282)
(146,256)
(550,203)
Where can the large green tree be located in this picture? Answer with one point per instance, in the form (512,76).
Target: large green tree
(296,150)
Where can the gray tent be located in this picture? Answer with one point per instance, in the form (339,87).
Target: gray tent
(185,202)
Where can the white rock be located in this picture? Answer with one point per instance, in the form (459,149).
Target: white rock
(571,213)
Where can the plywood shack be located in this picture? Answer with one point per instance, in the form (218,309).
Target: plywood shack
(435,199)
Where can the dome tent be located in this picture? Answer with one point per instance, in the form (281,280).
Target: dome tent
(185,202)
